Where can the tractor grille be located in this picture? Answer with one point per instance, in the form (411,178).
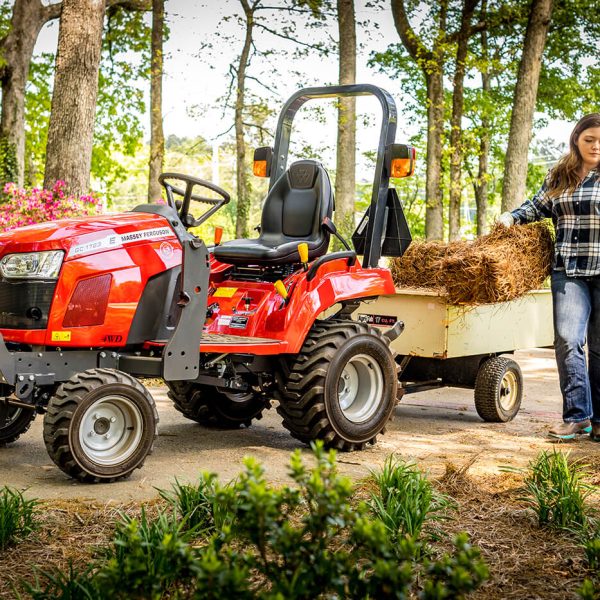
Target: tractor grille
(25,304)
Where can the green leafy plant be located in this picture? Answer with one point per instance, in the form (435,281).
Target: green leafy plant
(592,552)
(196,504)
(147,558)
(589,590)
(406,501)
(17,516)
(556,490)
(455,575)
(60,585)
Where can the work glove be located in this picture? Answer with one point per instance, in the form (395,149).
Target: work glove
(506,219)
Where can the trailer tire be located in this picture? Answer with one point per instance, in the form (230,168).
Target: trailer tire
(498,390)
(17,420)
(341,388)
(100,425)
(212,407)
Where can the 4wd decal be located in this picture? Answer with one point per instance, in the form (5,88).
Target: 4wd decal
(116,240)
(382,320)
(112,339)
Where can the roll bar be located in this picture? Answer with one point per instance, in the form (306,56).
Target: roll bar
(375,226)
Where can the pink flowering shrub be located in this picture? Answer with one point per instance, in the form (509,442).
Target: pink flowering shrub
(21,207)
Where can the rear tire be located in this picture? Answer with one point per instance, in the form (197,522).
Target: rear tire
(100,425)
(341,388)
(213,407)
(14,421)
(498,390)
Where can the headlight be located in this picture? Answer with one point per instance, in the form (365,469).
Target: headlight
(32,265)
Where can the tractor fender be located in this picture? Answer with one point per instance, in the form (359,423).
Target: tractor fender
(309,299)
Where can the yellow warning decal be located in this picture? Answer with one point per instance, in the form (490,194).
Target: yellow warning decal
(61,336)
(225,292)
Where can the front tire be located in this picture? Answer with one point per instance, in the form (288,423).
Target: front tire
(14,421)
(341,387)
(100,425)
(498,390)
(213,407)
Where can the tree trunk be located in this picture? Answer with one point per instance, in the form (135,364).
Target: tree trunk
(16,48)
(431,63)
(456,156)
(243,197)
(519,138)
(482,184)
(157,138)
(345,175)
(434,217)
(71,129)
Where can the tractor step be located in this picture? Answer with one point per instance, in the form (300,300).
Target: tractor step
(226,343)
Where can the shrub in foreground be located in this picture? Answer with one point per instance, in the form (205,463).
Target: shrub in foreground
(305,541)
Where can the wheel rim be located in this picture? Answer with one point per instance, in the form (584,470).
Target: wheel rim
(110,430)
(237,397)
(360,388)
(13,413)
(509,391)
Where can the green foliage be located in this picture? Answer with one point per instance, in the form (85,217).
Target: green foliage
(60,585)
(455,575)
(589,590)
(38,100)
(556,490)
(592,553)
(196,504)
(8,161)
(305,541)
(124,69)
(147,558)
(17,516)
(406,501)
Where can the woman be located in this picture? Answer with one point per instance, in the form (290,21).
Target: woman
(570,195)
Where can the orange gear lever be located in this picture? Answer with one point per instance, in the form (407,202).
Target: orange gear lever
(218,235)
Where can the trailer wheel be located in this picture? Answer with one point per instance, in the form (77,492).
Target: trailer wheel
(14,421)
(100,425)
(215,407)
(498,390)
(341,387)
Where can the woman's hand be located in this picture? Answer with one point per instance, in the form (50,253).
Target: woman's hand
(506,219)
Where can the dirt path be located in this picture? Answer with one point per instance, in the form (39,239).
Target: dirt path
(433,428)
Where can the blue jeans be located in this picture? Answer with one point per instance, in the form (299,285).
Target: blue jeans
(576,303)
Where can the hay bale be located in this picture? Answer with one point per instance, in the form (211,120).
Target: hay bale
(500,266)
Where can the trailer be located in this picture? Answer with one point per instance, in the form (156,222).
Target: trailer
(454,345)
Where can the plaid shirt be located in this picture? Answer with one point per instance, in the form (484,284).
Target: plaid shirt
(576,218)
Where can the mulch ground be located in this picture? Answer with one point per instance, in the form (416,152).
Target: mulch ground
(525,561)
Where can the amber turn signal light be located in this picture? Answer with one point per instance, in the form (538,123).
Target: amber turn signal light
(259,168)
(403,167)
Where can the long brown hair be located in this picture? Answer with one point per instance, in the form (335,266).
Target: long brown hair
(564,176)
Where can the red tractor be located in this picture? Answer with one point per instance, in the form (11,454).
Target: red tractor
(89,306)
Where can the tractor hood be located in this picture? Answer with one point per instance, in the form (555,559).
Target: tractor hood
(86,235)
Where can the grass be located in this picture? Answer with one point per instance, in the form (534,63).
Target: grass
(557,490)
(17,516)
(406,500)
(196,504)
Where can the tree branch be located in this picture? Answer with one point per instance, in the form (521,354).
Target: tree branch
(287,37)
(407,34)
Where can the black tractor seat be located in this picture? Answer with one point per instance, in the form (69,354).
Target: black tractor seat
(292,213)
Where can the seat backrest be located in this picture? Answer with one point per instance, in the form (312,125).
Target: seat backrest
(296,205)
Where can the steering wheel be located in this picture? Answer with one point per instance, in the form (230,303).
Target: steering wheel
(182,207)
